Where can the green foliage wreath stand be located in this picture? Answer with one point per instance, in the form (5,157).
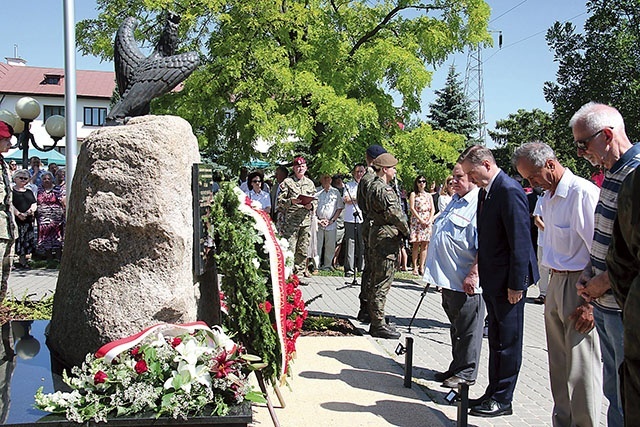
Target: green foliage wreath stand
(246,280)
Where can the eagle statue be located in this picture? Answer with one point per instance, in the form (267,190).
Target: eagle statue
(142,78)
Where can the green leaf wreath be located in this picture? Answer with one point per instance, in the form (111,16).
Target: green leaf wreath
(244,267)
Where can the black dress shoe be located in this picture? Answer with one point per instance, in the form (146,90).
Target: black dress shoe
(441,376)
(491,408)
(455,381)
(476,402)
(384,331)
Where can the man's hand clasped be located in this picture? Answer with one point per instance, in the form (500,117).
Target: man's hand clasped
(583,316)
(514,296)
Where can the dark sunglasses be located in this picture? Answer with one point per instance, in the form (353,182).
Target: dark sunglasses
(581,144)
(422,181)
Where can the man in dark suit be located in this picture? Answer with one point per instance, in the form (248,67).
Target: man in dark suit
(506,267)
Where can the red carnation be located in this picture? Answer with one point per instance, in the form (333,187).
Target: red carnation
(141,367)
(99,377)
(266,307)
(135,352)
(176,341)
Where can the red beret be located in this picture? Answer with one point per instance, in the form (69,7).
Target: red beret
(6,131)
(299,161)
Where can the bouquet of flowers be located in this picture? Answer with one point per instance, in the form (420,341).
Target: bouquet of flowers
(163,370)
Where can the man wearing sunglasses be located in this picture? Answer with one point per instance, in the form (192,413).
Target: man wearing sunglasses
(600,137)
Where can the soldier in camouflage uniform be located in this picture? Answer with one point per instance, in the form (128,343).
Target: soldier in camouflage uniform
(7,221)
(297,216)
(388,226)
(363,188)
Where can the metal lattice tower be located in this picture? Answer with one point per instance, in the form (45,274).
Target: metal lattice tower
(474,85)
(474,88)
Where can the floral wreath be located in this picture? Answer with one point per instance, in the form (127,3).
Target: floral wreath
(264,304)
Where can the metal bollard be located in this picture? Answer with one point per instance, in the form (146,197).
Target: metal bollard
(463,405)
(408,362)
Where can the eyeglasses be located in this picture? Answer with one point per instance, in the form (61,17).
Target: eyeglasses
(22,177)
(422,181)
(256,181)
(581,144)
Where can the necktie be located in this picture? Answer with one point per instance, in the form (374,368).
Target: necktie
(481,197)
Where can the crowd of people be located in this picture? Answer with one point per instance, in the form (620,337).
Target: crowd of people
(483,240)
(33,208)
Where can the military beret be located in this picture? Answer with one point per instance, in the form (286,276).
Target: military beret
(6,131)
(375,150)
(385,160)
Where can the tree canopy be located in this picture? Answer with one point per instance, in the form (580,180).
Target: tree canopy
(602,65)
(321,78)
(451,110)
(517,129)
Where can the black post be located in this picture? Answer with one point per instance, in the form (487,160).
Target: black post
(23,143)
(463,405)
(408,362)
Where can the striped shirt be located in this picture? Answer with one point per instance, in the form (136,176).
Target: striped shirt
(606,212)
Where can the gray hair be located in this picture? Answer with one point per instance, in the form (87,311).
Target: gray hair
(476,154)
(48,173)
(536,153)
(21,172)
(595,116)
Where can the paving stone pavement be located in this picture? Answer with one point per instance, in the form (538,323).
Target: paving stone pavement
(336,296)
(532,402)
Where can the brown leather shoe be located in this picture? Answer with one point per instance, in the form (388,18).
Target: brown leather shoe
(455,381)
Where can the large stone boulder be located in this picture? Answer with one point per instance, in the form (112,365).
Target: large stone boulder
(127,260)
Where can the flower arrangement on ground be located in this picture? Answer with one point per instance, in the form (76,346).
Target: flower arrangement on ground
(260,294)
(173,370)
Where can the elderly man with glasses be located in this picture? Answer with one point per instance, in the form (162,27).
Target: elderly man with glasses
(600,137)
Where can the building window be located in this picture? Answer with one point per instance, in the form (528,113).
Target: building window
(94,116)
(53,110)
(52,79)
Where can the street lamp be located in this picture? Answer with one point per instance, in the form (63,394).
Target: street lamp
(28,109)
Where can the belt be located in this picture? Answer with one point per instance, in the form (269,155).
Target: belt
(553,270)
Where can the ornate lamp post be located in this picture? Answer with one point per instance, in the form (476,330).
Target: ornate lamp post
(28,109)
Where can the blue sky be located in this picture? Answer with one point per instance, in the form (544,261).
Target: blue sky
(513,76)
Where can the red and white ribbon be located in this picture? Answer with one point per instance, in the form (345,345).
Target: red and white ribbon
(278,270)
(111,350)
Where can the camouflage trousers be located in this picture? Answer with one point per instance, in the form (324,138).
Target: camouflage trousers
(365,279)
(299,245)
(382,270)
(5,249)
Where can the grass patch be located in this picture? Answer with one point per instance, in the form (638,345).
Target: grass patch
(26,309)
(327,326)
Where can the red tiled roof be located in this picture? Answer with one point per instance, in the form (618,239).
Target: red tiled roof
(23,80)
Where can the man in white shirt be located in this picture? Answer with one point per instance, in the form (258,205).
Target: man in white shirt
(568,208)
(353,242)
(330,206)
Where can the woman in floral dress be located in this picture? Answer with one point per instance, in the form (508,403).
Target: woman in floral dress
(422,211)
(50,216)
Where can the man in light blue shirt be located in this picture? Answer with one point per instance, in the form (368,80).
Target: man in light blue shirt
(452,264)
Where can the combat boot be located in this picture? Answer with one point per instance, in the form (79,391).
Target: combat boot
(383,331)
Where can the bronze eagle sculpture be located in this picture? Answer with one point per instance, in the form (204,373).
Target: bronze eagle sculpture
(142,78)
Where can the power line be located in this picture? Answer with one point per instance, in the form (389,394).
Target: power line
(504,13)
(531,36)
